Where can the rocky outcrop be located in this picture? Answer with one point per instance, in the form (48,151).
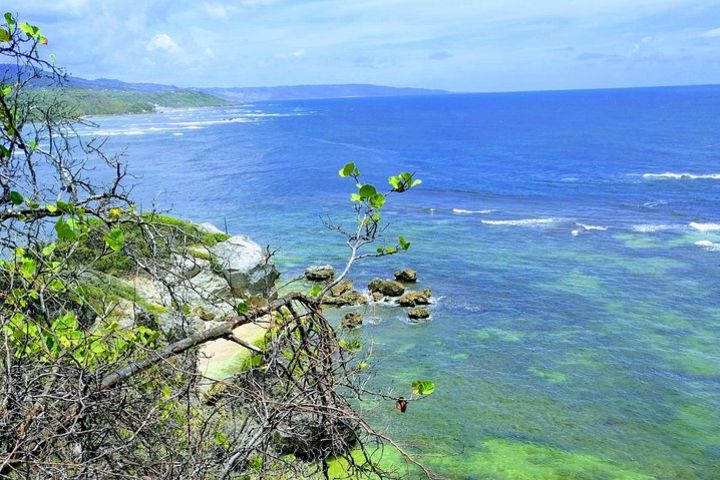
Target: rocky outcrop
(351,297)
(320,273)
(208,228)
(351,320)
(343,294)
(415,298)
(187,266)
(245,266)
(418,313)
(388,288)
(406,275)
(341,288)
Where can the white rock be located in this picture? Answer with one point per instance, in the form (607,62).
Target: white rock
(208,228)
(244,265)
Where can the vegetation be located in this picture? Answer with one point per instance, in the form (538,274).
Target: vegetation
(91,386)
(90,101)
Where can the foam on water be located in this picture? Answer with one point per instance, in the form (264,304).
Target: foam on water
(524,222)
(652,228)
(655,203)
(682,176)
(708,245)
(462,211)
(705,227)
(598,228)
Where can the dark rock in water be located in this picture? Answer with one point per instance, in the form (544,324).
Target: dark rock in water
(320,273)
(418,313)
(415,298)
(352,297)
(406,275)
(342,287)
(245,265)
(352,320)
(377,296)
(389,288)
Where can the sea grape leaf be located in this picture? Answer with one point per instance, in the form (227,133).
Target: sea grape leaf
(422,387)
(115,239)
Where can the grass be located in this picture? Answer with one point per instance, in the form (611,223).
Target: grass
(174,235)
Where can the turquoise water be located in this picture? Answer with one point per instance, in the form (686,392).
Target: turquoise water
(575,334)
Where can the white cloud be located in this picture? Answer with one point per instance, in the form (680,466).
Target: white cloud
(209,53)
(163,41)
(216,10)
(714,33)
(258,3)
(295,54)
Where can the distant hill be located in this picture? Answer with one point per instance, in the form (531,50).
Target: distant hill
(108,96)
(257,94)
(114,101)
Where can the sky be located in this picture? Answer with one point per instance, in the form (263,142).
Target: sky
(458,45)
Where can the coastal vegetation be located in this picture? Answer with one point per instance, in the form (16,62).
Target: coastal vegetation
(91,101)
(110,319)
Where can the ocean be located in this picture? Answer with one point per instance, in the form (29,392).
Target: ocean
(571,241)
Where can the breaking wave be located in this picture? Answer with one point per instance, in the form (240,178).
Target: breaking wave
(524,222)
(652,227)
(682,176)
(597,228)
(705,227)
(462,211)
(708,245)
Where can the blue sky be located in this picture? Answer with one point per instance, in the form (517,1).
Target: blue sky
(465,45)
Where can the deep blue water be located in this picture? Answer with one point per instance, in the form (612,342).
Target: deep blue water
(576,332)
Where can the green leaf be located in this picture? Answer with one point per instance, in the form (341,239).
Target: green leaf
(49,249)
(315,290)
(422,387)
(51,207)
(348,170)
(242,308)
(415,183)
(30,30)
(377,200)
(354,197)
(16,198)
(28,267)
(53,59)
(367,191)
(115,239)
(65,230)
(9,19)
(404,244)
(4,35)
(394,182)
(64,206)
